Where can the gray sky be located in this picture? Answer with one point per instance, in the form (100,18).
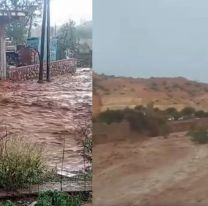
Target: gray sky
(151,38)
(63,10)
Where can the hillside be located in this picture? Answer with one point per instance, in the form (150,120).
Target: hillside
(119,92)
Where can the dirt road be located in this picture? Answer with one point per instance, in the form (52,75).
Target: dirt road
(46,113)
(155,172)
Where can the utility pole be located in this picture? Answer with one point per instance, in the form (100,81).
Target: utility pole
(48,42)
(42,43)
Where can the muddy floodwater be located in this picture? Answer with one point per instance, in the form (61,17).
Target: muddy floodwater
(49,112)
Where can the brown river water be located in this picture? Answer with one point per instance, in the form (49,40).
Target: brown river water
(48,113)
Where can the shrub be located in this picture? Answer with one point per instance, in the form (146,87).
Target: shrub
(199,136)
(21,163)
(172,112)
(150,123)
(7,203)
(56,198)
(145,120)
(110,116)
(188,112)
(137,121)
(156,124)
(200,114)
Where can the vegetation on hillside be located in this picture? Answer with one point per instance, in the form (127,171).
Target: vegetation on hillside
(142,120)
(149,120)
(185,114)
(111,116)
(163,91)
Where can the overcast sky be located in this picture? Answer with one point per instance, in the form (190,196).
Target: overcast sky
(63,10)
(151,38)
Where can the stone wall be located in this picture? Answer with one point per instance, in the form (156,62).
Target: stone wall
(32,71)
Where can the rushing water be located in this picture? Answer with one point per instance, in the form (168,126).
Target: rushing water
(49,112)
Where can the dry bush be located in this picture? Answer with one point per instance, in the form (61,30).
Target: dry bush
(21,163)
(199,136)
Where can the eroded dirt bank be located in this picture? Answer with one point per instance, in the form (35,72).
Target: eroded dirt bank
(155,172)
(46,113)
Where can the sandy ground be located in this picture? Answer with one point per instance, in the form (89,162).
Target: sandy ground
(155,172)
(47,113)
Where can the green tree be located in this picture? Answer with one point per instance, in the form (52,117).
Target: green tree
(67,40)
(84,30)
(110,116)
(188,112)
(172,112)
(19,30)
